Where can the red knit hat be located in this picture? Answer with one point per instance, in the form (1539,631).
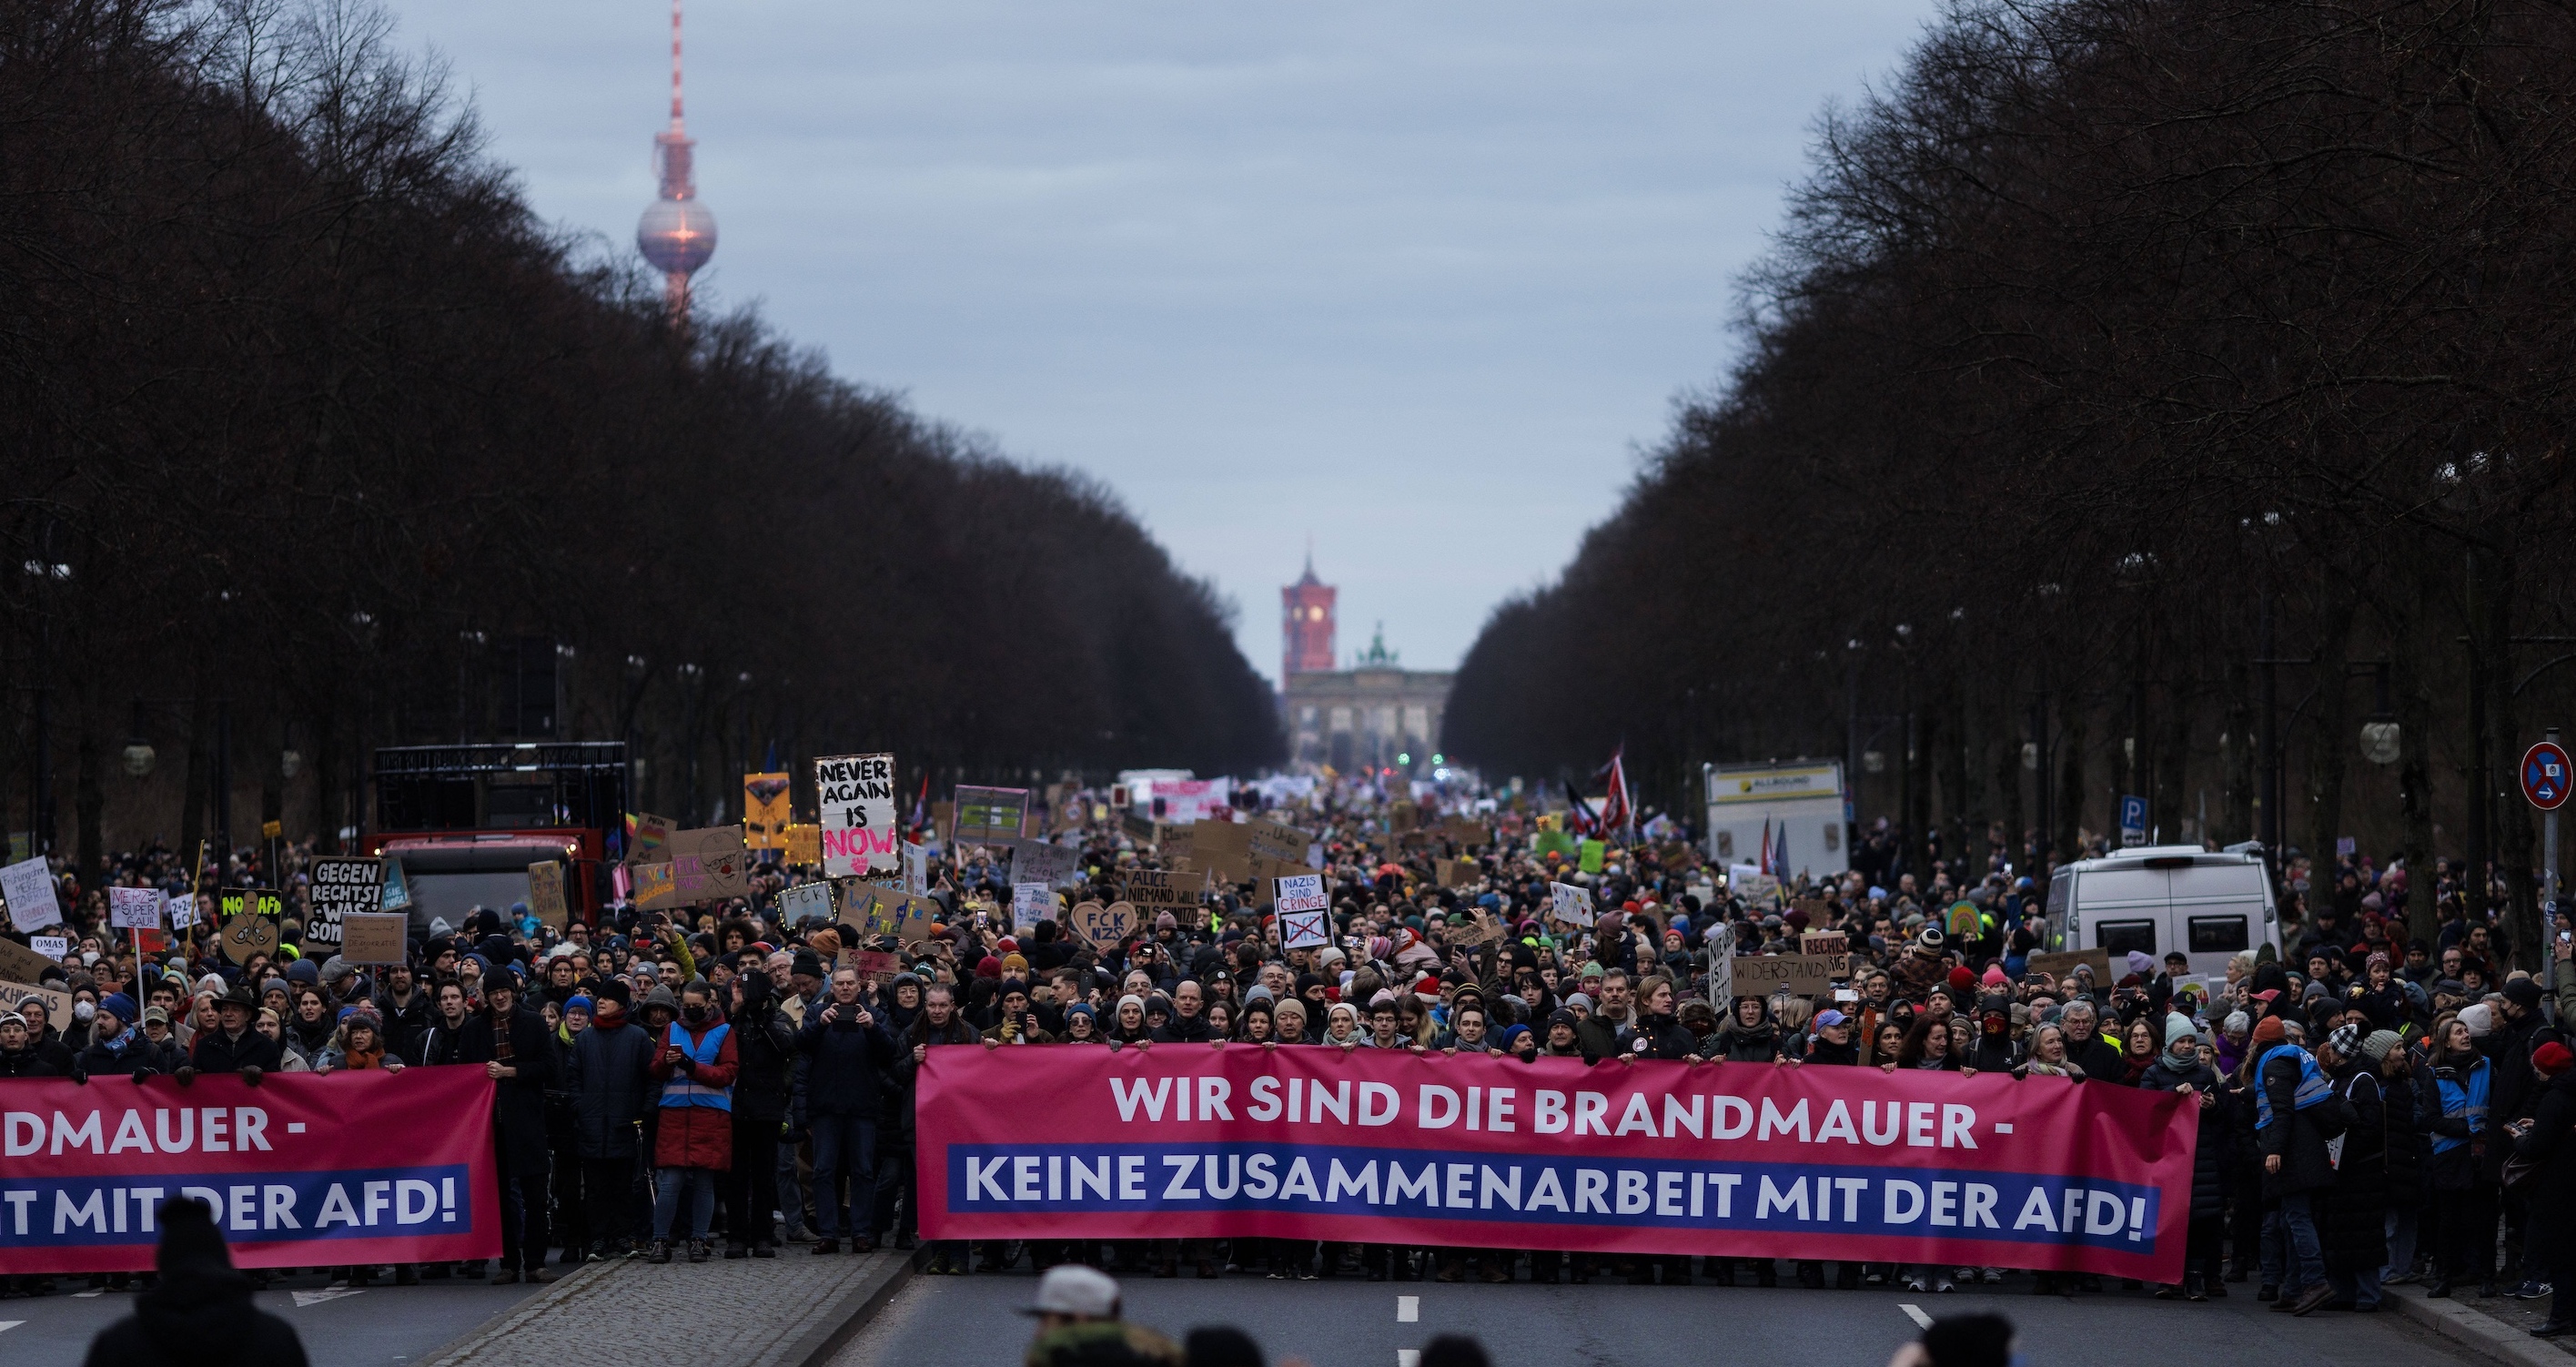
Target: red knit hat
(1962,979)
(2552,1058)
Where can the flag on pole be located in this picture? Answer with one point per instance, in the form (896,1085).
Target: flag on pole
(1764,863)
(1618,813)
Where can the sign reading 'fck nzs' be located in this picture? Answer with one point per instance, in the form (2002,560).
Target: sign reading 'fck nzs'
(856,796)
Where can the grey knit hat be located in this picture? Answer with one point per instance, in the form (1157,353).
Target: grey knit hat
(2378,1044)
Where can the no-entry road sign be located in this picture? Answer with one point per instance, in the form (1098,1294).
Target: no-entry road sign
(2545,775)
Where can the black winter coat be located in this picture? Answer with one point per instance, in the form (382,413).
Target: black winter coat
(197,1319)
(1735,1044)
(2552,1141)
(2293,1135)
(25,1063)
(518,1103)
(844,1065)
(609,1089)
(2406,1144)
(2217,1132)
(764,1045)
(216,1052)
(404,1026)
(2352,1215)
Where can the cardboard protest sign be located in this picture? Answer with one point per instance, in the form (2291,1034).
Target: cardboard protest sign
(1265,838)
(342,886)
(373,937)
(648,839)
(1140,829)
(1590,855)
(917,915)
(249,933)
(1402,815)
(856,793)
(764,811)
(1261,869)
(989,814)
(1178,845)
(55,947)
(804,843)
(1104,928)
(1457,873)
(1571,904)
(876,967)
(1465,831)
(18,963)
(546,893)
(1758,974)
(1830,946)
(182,910)
(1220,848)
(2059,963)
(1030,904)
(1156,890)
(28,887)
(58,1003)
(916,868)
(805,902)
(1036,861)
(709,865)
(1549,842)
(655,886)
(134,908)
(1481,929)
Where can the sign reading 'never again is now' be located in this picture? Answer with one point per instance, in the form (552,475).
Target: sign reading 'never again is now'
(856,794)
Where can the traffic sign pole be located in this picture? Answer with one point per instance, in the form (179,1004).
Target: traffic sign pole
(2545,777)
(2549,837)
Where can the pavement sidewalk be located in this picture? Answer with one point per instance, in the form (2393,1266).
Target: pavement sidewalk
(2498,1327)
(794,1310)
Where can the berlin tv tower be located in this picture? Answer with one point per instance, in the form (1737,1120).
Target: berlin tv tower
(677,234)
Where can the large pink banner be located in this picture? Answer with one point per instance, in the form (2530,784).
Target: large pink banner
(301,1171)
(1370,1146)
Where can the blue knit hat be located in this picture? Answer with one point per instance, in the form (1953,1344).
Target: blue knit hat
(583,1004)
(121,1006)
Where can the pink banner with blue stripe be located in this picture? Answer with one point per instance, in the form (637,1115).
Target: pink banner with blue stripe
(303,1170)
(1386,1146)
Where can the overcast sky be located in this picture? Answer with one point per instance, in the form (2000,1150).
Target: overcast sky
(1417,280)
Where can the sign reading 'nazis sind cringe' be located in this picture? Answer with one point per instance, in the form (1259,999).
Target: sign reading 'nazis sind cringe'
(856,794)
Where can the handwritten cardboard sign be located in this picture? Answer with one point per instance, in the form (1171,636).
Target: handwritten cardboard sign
(805,902)
(1163,889)
(374,937)
(1104,928)
(546,893)
(341,886)
(764,811)
(1760,974)
(58,1003)
(21,964)
(2058,963)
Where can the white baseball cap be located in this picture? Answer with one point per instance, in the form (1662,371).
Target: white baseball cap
(1073,1289)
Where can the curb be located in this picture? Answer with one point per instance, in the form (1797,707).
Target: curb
(556,1293)
(844,1317)
(2476,1330)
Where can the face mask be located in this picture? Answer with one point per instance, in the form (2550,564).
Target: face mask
(695,1014)
(90,957)
(82,1011)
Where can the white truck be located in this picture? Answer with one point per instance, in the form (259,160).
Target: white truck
(1801,804)
(2209,904)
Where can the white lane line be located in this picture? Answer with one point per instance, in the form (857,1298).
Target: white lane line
(304,1299)
(1915,1313)
(1408,1309)
(85,1295)
(7,1325)
(1408,1357)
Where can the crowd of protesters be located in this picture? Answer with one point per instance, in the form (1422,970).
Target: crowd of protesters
(2373,1109)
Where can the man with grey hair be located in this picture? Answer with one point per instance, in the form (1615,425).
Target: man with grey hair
(2085,1047)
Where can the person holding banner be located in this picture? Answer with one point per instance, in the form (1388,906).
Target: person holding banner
(517,1052)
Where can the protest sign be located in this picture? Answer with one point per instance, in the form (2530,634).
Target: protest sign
(1300,892)
(546,893)
(373,937)
(989,815)
(1268,839)
(249,934)
(1178,845)
(1140,829)
(55,947)
(917,915)
(1655,1159)
(709,865)
(1589,855)
(648,839)
(1305,911)
(1757,975)
(182,910)
(1157,890)
(58,1003)
(764,811)
(1457,873)
(805,902)
(1549,842)
(804,843)
(305,1169)
(134,908)
(1828,945)
(342,886)
(2059,963)
(1037,861)
(28,887)
(1481,928)
(653,885)
(856,793)
(916,868)
(1221,849)
(1401,816)
(397,888)
(1104,928)
(1569,903)
(21,963)
(1030,904)
(876,967)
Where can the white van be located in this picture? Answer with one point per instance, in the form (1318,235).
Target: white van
(2156,899)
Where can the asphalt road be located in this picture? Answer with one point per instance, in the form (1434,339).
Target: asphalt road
(968,1322)
(378,1326)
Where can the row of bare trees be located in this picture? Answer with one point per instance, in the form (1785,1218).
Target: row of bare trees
(2144,397)
(316,436)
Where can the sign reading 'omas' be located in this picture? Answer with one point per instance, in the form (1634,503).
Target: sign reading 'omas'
(856,795)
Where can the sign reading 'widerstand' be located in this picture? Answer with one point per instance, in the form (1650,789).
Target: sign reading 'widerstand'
(1649,1158)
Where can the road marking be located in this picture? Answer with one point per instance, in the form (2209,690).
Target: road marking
(331,1293)
(1408,1309)
(1915,1313)
(7,1325)
(1408,1357)
(85,1295)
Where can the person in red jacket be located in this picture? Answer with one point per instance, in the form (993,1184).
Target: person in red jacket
(694,1061)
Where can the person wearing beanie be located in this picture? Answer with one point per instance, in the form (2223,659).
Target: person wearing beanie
(2179,1069)
(2452,1103)
(2352,1215)
(201,1311)
(2548,1139)
(2290,1090)
(116,1046)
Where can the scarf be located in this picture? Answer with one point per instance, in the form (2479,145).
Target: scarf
(502,1051)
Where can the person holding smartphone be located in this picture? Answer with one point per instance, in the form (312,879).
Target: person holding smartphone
(847,1049)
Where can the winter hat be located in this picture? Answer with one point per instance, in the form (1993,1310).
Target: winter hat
(1962,979)
(2177,1026)
(988,967)
(121,1006)
(2345,1041)
(1994,976)
(578,1002)
(2522,992)
(2551,1059)
(2480,1018)
(1131,999)
(2270,1031)
(2378,1043)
